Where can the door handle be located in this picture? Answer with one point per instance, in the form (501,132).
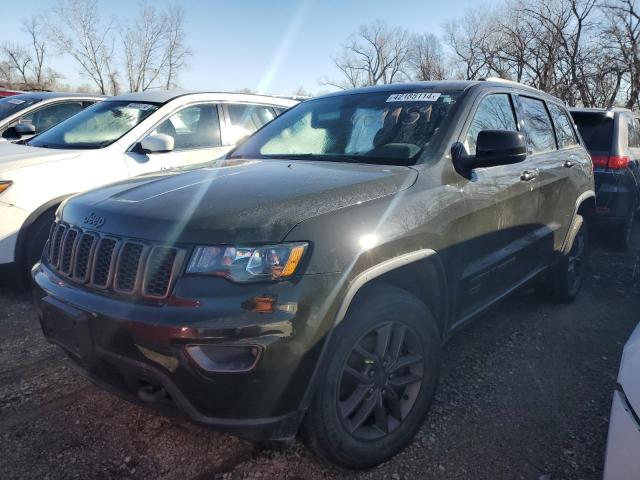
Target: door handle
(528,175)
(568,164)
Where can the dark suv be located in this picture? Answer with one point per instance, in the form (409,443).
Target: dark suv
(613,139)
(309,280)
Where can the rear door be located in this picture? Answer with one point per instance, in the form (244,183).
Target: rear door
(556,164)
(197,139)
(242,119)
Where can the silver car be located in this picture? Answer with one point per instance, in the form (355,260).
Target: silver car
(22,116)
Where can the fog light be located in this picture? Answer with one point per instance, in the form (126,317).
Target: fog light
(225,358)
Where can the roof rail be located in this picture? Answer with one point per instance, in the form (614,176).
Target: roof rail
(504,80)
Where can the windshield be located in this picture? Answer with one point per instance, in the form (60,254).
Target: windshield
(95,127)
(384,128)
(11,105)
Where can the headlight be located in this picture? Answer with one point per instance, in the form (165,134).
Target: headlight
(247,264)
(4,185)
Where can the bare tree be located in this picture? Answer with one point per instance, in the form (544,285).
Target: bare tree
(623,31)
(154,48)
(177,54)
(426,57)
(18,59)
(470,41)
(80,33)
(33,27)
(377,54)
(143,48)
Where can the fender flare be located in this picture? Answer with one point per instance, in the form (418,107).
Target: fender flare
(354,286)
(26,225)
(576,221)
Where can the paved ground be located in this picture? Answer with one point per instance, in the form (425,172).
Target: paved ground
(525,393)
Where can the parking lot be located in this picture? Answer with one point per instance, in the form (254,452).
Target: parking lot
(525,393)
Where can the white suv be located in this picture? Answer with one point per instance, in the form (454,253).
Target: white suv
(112,140)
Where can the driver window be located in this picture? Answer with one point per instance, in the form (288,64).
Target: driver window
(194,127)
(495,112)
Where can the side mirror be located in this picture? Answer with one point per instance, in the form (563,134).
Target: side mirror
(494,148)
(22,129)
(159,143)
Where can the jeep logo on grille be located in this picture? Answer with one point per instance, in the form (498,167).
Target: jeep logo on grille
(94,220)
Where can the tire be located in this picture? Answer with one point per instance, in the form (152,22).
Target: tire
(621,236)
(36,239)
(337,426)
(562,282)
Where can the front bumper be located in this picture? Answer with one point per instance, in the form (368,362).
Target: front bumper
(622,460)
(11,220)
(138,350)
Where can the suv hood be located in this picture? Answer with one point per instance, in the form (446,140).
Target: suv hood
(14,156)
(232,201)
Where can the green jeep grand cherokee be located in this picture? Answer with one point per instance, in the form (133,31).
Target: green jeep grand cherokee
(308,280)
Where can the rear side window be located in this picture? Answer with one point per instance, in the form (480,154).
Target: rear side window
(539,127)
(495,112)
(633,130)
(564,129)
(246,119)
(596,129)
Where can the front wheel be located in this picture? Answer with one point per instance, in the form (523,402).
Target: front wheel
(562,282)
(379,381)
(36,240)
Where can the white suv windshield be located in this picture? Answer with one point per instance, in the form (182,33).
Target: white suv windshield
(95,127)
(385,127)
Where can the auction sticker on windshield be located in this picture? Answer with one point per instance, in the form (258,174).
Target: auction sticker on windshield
(414,97)
(15,101)
(139,106)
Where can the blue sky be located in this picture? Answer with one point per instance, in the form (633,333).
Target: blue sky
(274,46)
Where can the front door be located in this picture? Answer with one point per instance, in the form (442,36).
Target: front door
(197,139)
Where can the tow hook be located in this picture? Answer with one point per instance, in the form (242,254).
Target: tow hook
(151,393)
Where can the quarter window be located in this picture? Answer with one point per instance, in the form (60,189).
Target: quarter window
(564,128)
(495,112)
(193,127)
(539,127)
(634,133)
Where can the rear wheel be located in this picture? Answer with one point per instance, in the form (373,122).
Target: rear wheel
(37,237)
(621,236)
(380,378)
(562,282)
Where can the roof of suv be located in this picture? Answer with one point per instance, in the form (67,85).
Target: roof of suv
(444,85)
(54,95)
(164,96)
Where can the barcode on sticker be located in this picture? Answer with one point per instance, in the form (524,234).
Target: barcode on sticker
(414,97)
(139,106)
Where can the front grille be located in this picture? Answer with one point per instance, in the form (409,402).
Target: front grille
(159,266)
(129,265)
(67,250)
(111,263)
(84,253)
